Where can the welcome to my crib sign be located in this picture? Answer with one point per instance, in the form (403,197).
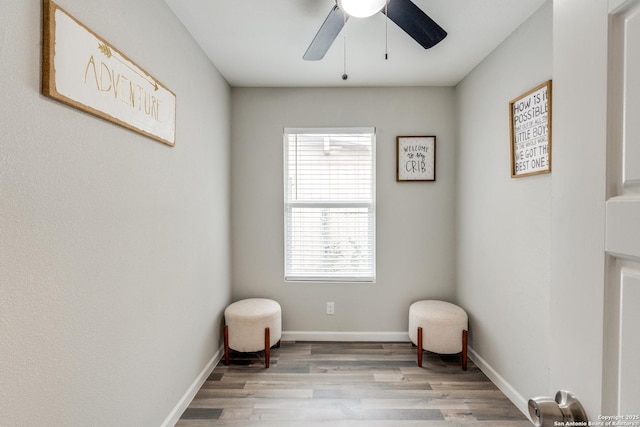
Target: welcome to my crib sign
(416,158)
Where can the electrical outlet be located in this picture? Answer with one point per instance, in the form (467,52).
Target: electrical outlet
(331,307)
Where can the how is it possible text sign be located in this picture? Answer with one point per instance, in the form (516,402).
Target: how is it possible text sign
(82,70)
(530,116)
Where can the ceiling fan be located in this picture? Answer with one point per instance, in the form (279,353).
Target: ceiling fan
(404,13)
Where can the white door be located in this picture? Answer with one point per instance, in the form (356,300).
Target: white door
(622,301)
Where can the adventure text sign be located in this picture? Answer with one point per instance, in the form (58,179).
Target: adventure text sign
(531,132)
(83,70)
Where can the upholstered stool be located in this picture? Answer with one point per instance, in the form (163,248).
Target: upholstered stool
(252,324)
(439,327)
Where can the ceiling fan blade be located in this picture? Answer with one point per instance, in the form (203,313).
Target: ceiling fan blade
(415,22)
(326,35)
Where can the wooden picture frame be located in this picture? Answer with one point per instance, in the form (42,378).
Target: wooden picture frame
(530,131)
(415,158)
(84,71)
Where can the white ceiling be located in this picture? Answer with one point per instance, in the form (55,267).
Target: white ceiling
(261,43)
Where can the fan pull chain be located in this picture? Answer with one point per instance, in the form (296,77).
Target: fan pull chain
(345,76)
(386,31)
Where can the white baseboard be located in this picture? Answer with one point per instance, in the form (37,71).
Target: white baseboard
(188,396)
(512,394)
(345,336)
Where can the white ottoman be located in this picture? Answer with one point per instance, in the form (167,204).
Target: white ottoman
(439,327)
(252,324)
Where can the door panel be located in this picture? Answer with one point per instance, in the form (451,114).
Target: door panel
(629,380)
(632,98)
(622,302)
(623,233)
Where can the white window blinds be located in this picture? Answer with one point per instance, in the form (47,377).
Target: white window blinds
(329,204)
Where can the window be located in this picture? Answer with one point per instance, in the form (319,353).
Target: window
(329,178)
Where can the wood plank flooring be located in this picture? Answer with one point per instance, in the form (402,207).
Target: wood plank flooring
(349,384)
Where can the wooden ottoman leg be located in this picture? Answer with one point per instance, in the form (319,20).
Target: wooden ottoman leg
(226,345)
(464,349)
(419,347)
(267,347)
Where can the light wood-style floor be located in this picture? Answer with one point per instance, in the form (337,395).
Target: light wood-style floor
(349,384)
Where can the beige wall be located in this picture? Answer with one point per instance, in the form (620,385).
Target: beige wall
(503,228)
(114,248)
(415,221)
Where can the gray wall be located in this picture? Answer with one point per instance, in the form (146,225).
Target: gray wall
(503,227)
(415,221)
(114,248)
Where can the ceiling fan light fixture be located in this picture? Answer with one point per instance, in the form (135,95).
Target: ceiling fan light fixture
(361,8)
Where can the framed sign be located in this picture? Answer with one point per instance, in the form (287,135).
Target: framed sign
(530,122)
(416,158)
(82,70)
